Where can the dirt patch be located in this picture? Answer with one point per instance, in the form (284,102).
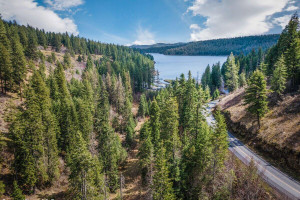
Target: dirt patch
(133,189)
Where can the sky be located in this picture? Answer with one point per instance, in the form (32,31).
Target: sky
(140,22)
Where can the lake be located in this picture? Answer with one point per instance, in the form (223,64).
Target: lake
(170,67)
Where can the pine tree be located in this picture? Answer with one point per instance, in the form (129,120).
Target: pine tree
(189,104)
(169,128)
(85,124)
(206,78)
(5,59)
(31,51)
(219,142)
(34,132)
(2,188)
(18,63)
(146,159)
(242,80)
(216,94)
(162,185)
(256,95)
(155,123)
(207,94)
(64,109)
(17,192)
(86,181)
(292,59)
(79,59)
(5,68)
(67,60)
(216,76)
(278,80)
(231,75)
(142,106)
(196,159)
(120,95)
(127,85)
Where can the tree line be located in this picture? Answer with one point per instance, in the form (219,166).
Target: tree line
(217,46)
(19,44)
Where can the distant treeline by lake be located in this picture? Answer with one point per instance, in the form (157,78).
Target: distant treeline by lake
(213,47)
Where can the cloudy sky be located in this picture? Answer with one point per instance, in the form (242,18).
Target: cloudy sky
(151,21)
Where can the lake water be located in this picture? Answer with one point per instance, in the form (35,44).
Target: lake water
(170,67)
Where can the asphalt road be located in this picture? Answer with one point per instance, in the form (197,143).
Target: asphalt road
(274,177)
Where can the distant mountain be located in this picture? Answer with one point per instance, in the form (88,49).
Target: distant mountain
(213,47)
(159,45)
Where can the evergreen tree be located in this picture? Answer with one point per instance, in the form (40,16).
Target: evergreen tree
(242,80)
(34,133)
(120,95)
(146,158)
(216,94)
(67,60)
(64,108)
(219,142)
(216,76)
(79,59)
(189,104)
(18,63)
(206,78)
(278,80)
(169,128)
(195,163)
(127,85)
(292,60)
(5,68)
(17,192)
(256,95)
(142,106)
(86,181)
(155,123)
(31,51)
(162,185)
(231,75)
(2,188)
(53,57)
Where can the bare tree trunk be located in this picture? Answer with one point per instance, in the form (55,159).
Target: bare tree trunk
(121,186)
(258,120)
(20,91)
(151,177)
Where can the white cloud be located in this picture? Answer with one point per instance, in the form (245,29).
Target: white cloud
(292,8)
(232,18)
(144,37)
(282,21)
(195,31)
(63,4)
(28,12)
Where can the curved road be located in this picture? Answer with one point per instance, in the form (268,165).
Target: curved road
(274,177)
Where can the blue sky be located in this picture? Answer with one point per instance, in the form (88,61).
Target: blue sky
(150,21)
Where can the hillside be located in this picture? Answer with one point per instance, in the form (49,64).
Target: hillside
(278,139)
(214,47)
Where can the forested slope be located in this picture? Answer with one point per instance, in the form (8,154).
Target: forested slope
(263,107)
(59,96)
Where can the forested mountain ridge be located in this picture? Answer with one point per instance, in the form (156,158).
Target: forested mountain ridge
(215,47)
